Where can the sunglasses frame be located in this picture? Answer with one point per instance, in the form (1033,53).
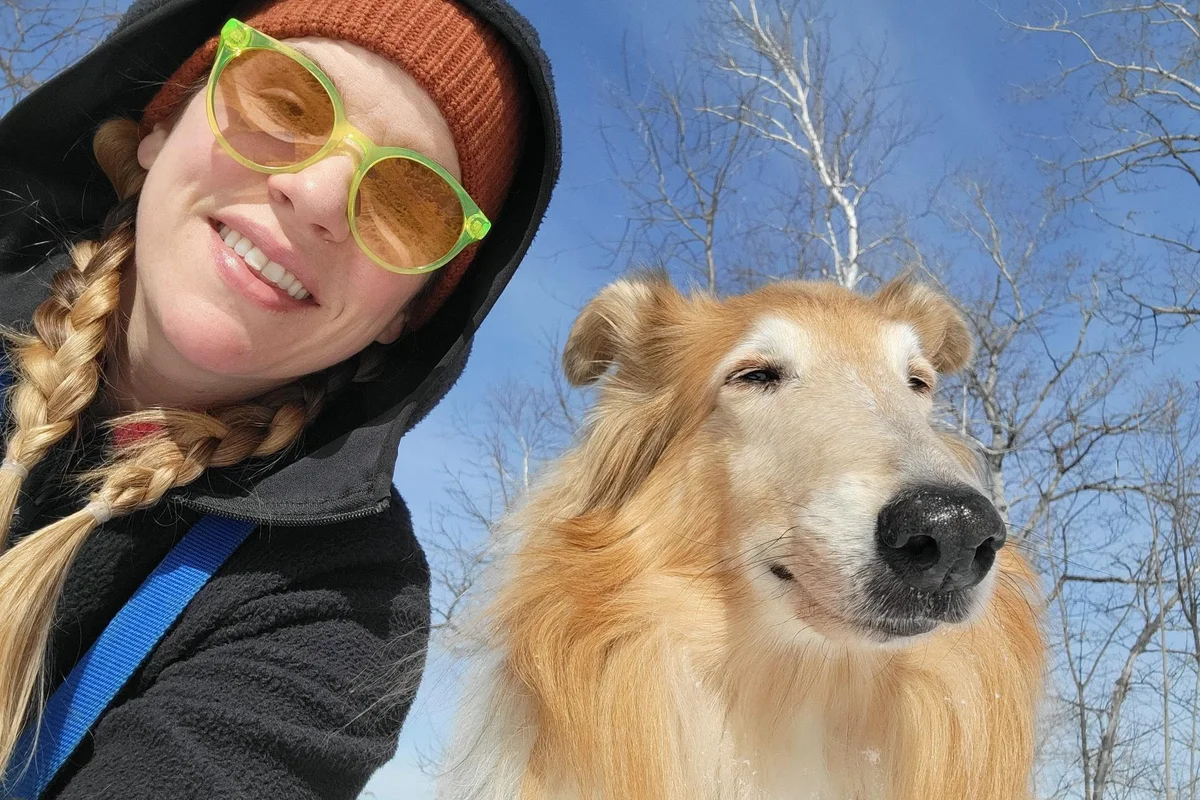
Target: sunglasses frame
(236,38)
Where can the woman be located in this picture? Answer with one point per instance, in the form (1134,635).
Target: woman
(277,272)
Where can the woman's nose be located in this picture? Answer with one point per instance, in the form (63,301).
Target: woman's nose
(316,196)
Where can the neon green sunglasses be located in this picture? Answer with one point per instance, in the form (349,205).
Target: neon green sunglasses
(274,110)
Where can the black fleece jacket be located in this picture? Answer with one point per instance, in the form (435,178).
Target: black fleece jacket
(290,673)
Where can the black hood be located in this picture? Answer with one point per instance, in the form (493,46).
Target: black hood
(51,192)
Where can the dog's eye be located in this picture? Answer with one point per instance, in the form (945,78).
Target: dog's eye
(761,376)
(920,385)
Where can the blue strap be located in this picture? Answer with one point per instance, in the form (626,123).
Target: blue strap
(122,647)
(120,650)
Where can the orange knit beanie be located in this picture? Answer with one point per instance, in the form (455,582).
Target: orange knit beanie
(457,58)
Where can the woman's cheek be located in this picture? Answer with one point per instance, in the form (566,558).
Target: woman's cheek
(380,295)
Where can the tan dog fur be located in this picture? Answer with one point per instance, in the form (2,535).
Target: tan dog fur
(638,645)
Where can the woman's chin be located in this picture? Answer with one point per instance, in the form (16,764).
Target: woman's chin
(212,341)
(209,340)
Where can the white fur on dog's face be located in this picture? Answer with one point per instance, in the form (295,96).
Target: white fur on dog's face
(824,423)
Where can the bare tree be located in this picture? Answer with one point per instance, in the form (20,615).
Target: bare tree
(687,173)
(1128,646)
(1132,68)
(1098,481)
(1040,399)
(1124,586)
(833,115)
(40,37)
(760,157)
(1066,437)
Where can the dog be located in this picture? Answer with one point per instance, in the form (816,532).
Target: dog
(765,571)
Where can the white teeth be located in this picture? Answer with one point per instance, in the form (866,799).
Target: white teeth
(273,272)
(258,261)
(255,258)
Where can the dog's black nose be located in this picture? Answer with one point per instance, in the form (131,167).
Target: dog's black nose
(939,538)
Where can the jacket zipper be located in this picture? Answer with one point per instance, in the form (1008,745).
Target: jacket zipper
(332,519)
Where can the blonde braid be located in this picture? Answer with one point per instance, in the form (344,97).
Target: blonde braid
(56,370)
(57,374)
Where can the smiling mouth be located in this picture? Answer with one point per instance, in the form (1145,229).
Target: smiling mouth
(270,271)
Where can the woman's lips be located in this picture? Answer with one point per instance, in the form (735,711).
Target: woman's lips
(272,271)
(251,283)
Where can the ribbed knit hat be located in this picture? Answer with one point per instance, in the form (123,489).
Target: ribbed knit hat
(457,58)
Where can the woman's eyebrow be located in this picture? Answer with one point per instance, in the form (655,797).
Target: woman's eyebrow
(316,61)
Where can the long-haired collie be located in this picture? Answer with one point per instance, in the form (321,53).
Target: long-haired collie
(764,572)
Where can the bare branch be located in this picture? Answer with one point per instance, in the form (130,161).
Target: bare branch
(41,37)
(1135,70)
(840,126)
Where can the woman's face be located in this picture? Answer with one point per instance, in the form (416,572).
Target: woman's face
(193,299)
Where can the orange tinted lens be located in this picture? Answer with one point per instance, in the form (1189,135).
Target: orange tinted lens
(407,214)
(271,110)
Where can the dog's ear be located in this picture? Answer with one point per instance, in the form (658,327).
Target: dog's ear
(943,333)
(630,328)
(609,325)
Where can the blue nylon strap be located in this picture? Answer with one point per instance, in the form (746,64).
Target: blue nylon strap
(119,651)
(122,647)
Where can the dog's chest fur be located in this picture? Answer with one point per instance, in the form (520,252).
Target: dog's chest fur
(731,756)
(716,753)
